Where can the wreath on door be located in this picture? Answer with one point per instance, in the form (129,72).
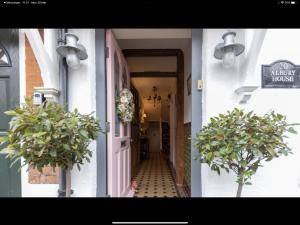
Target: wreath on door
(125,106)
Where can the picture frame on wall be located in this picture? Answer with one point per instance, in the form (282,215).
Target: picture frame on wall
(189,84)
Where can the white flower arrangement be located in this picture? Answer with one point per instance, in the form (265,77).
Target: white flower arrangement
(125,106)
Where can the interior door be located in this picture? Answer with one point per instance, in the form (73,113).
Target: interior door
(118,143)
(10,178)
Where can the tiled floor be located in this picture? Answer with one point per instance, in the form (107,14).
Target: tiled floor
(155,179)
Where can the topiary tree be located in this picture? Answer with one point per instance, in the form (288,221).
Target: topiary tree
(240,142)
(48,135)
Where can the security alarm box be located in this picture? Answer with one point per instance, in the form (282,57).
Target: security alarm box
(38,98)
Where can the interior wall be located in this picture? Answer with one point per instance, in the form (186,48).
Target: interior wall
(173,130)
(162,64)
(153,134)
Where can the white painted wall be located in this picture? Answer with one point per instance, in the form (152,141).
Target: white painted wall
(82,95)
(50,42)
(82,86)
(280,177)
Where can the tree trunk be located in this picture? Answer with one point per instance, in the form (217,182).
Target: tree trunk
(239,191)
(68,183)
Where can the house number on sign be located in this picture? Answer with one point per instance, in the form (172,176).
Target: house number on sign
(281,74)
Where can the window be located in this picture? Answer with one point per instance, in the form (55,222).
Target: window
(117,89)
(4,57)
(124,85)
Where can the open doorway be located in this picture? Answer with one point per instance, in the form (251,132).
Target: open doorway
(156,67)
(157,111)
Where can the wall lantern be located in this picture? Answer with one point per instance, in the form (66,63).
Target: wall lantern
(228,50)
(72,50)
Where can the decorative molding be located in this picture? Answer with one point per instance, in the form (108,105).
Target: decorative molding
(244,93)
(51,94)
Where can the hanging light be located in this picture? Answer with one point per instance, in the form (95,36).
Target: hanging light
(228,50)
(72,50)
(155,98)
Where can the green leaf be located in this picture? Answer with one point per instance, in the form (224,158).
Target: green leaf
(214,143)
(292,130)
(8,150)
(39,134)
(271,151)
(66,147)
(53,153)
(83,133)
(4,139)
(10,113)
(48,125)
(243,163)
(209,156)
(41,152)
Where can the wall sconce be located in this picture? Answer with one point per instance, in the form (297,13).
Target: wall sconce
(72,50)
(228,50)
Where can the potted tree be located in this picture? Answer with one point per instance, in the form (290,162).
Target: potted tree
(48,135)
(240,142)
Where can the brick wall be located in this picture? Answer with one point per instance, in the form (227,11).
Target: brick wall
(34,79)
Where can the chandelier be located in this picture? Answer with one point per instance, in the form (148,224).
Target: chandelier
(155,98)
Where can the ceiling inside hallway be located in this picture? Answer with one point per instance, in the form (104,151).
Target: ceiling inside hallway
(152,33)
(164,87)
(153,38)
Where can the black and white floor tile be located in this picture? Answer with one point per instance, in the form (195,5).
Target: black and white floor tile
(155,178)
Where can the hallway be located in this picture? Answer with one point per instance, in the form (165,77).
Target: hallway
(155,178)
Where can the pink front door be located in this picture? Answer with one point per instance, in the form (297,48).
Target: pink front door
(119,134)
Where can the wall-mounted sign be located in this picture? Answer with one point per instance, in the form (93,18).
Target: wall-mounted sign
(281,74)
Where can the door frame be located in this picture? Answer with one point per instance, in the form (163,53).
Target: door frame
(196,124)
(179,74)
(101,94)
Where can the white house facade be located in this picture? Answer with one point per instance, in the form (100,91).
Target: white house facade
(167,59)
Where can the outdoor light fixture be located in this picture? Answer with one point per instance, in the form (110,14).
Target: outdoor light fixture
(228,50)
(72,50)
